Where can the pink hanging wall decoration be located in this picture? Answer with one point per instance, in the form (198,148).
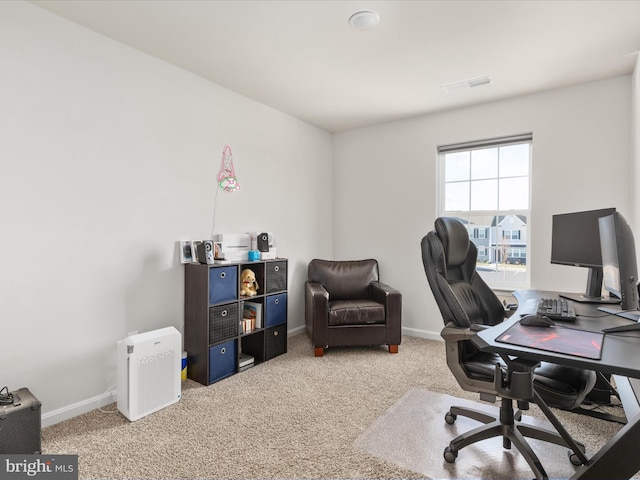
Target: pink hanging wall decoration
(227,180)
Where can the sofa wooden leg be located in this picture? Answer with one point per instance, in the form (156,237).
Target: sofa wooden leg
(318,351)
(393,348)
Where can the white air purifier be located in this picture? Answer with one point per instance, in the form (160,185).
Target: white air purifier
(149,366)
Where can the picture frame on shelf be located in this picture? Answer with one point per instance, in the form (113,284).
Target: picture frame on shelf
(217,251)
(194,251)
(186,251)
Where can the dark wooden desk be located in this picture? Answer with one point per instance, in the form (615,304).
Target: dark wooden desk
(619,458)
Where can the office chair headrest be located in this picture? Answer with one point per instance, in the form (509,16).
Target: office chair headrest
(455,240)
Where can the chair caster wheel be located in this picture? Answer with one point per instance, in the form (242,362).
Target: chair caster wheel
(574,459)
(450,418)
(450,455)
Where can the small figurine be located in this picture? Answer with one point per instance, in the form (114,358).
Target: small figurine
(249,286)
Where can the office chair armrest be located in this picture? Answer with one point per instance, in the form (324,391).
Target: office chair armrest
(510,309)
(478,327)
(453,333)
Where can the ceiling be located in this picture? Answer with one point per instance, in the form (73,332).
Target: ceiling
(303,57)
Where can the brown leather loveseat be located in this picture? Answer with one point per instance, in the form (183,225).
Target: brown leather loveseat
(347,305)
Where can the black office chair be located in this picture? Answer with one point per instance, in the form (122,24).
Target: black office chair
(467,305)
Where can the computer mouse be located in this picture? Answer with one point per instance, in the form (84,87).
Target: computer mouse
(536,321)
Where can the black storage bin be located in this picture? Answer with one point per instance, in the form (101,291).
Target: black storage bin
(20,422)
(223,322)
(276,276)
(275,341)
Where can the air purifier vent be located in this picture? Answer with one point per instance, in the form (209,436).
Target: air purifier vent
(149,367)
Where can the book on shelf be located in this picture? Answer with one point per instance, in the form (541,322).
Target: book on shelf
(253,311)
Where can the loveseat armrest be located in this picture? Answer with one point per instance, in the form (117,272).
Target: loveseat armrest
(392,301)
(316,313)
(383,289)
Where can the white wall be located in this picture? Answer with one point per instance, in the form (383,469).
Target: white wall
(385,180)
(635,140)
(108,157)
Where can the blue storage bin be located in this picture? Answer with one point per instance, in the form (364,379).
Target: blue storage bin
(275,310)
(222,360)
(223,284)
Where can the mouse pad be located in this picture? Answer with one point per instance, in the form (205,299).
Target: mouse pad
(558,339)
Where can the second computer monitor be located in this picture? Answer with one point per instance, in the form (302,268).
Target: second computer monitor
(619,260)
(575,241)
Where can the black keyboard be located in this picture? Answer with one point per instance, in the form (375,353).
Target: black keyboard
(556,309)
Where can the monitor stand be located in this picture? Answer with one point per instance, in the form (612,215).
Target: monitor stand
(582,298)
(628,314)
(593,290)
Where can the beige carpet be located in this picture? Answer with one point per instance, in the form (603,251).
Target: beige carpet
(295,416)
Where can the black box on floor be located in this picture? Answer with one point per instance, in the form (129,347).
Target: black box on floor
(602,391)
(20,422)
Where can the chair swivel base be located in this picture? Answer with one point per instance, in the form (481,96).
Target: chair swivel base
(512,431)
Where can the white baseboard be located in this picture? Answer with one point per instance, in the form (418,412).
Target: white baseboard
(65,413)
(411,332)
(71,411)
(414,332)
(296,331)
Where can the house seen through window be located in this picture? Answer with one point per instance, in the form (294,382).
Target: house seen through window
(485,184)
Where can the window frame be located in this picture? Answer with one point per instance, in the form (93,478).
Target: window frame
(524,251)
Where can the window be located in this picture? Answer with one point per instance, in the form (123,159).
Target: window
(486,185)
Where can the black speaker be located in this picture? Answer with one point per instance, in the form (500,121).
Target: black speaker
(20,423)
(263,242)
(205,251)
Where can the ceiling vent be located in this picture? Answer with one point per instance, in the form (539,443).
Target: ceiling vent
(469,83)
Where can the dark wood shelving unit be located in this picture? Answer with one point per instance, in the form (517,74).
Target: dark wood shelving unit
(214,337)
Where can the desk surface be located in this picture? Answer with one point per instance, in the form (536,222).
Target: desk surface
(618,458)
(620,351)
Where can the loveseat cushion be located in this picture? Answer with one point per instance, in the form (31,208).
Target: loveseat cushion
(355,312)
(346,279)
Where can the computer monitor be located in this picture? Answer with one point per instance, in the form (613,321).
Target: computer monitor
(575,241)
(619,266)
